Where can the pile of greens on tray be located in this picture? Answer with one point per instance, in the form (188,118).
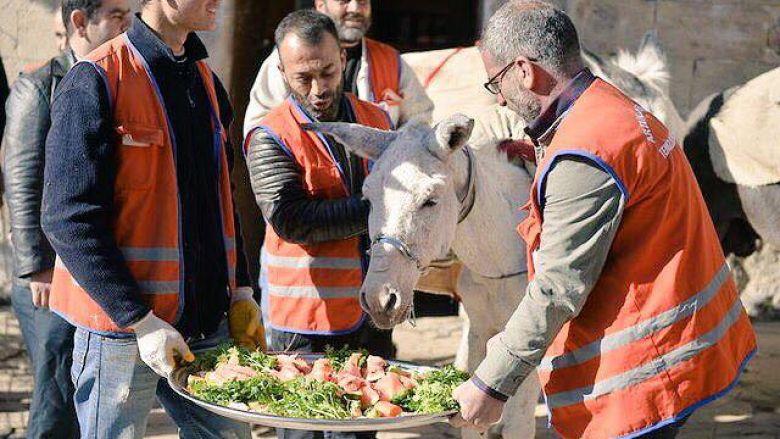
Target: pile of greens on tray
(344,384)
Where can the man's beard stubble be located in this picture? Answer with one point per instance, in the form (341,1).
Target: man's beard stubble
(330,114)
(352,35)
(525,104)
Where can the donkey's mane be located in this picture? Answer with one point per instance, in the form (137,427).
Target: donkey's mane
(503,173)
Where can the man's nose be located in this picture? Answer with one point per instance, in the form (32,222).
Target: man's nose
(353,6)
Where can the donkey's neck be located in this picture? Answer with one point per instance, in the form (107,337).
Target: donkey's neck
(487,241)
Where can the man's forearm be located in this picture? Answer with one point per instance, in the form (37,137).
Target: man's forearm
(582,213)
(296,216)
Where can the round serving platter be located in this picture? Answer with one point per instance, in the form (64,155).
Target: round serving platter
(178,382)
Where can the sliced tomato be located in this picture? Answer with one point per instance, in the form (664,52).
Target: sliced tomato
(368,396)
(387,409)
(409,383)
(389,386)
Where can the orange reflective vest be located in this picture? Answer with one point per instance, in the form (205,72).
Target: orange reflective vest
(663,331)
(384,63)
(145,215)
(313,289)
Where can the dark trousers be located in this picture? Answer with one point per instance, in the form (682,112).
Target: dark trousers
(667,432)
(49,342)
(377,342)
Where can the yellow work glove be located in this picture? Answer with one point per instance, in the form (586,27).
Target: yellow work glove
(245,319)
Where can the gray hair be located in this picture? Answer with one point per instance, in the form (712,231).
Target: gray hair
(308,24)
(534,29)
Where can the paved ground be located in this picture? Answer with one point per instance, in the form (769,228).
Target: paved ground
(751,410)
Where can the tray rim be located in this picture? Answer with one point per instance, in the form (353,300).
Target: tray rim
(177,382)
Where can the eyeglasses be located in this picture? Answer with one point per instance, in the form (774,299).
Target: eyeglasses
(494,84)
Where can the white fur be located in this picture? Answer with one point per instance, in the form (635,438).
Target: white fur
(647,65)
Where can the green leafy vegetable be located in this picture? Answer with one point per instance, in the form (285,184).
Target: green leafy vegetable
(339,357)
(257,360)
(307,398)
(303,398)
(262,389)
(209,359)
(434,391)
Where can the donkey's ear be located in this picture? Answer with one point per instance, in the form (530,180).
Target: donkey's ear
(366,142)
(451,134)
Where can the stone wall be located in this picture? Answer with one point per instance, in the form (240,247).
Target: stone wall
(712,44)
(26,33)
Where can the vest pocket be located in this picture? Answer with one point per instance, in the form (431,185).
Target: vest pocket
(137,154)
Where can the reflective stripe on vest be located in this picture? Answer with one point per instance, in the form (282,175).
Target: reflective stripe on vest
(640,330)
(314,289)
(663,330)
(145,211)
(649,370)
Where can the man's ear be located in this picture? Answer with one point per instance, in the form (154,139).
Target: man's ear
(78,22)
(319,5)
(343,59)
(529,77)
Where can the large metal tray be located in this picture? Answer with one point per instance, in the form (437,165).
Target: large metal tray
(178,382)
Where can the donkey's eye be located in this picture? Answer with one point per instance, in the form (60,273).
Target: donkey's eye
(430,202)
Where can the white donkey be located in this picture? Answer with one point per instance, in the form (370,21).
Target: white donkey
(430,193)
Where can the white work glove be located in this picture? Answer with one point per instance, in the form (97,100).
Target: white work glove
(245,319)
(159,344)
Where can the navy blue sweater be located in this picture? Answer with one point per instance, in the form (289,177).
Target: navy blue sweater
(79,180)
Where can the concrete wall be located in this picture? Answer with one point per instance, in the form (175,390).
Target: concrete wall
(26,33)
(711,44)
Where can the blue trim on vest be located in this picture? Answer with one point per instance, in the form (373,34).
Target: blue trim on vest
(172,136)
(687,412)
(265,301)
(325,142)
(276,137)
(371,92)
(400,66)
(579,153)
(302,332)
(109,334)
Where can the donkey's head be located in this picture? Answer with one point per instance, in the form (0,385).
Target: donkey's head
(413,188)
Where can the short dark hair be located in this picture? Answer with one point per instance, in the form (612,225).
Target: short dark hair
(88,6)
(308,24)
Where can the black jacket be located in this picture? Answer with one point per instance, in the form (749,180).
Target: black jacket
(3,95)
(24,141)
(295,216)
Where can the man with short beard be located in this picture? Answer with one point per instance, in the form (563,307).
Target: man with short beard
(309,189)
(373,71)
(630,317)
